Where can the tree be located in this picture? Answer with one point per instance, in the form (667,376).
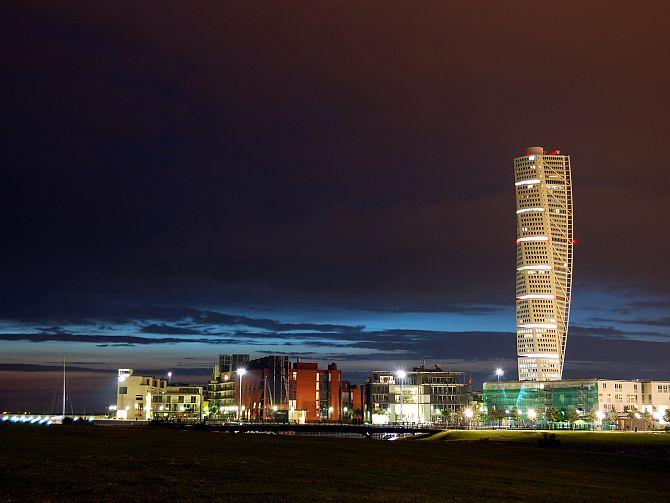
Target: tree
(666,417)
(612,417)
(552,415)
(515,414)
(631,414)
(496,415)
(571,416)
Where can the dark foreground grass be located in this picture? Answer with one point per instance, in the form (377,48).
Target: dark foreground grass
(88,463)
(613,438)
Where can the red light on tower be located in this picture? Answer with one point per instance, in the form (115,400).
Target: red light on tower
(574,242)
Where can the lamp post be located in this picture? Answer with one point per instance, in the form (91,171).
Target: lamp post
(468,413)
(240,372)
(401,375)
(532,415)
(169,376)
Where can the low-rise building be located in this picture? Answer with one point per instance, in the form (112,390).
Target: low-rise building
(149,397)
(274,389)
(134,394)
(590,398)
(422,395)
(315,394)
(351,402)
(180,402)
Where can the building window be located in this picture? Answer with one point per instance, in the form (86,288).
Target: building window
(123,390)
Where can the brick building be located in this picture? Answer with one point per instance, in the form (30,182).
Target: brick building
(274,389)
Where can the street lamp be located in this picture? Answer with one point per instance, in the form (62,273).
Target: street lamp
(401,375)
(532,414)
(240,372)
(499,372)
(169,375)
(468,413)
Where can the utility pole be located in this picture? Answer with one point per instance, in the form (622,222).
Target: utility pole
(64,395)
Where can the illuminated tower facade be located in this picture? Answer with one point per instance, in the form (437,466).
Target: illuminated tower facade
(543,185)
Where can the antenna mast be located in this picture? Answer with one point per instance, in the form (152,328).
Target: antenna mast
(63,387)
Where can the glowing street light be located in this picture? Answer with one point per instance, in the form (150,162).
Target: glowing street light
(240,372)
(532,414)
(469,414)
(169,375)
(499,373)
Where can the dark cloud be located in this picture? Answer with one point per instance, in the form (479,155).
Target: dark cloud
(29,367)
(169,330)
(109,339)
(344,166)
(302,158)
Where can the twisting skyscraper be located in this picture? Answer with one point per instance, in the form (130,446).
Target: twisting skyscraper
(544,262)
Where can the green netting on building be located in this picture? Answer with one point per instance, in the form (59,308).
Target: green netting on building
(559,395)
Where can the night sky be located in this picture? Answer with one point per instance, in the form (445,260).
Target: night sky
(330,179)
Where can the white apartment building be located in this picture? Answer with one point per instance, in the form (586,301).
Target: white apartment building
(142,398)
(134,395)
(178,402)
(655,397)
(543,186)
(617,394)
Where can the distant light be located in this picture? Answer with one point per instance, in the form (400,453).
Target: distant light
(531,157)
(345,409)
(221,408)
(169,374)
(541,267)
(401,374)
(538,325)
(112,407)
(532,239)
(524,210)
(500,372)
(637,415)
(275,408)
(547,296)
(330,409)
(600,415)
(468,413)
(531,414)
(534,181)
(241,371)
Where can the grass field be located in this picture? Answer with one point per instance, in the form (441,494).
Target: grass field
(611,438)
(89,463)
